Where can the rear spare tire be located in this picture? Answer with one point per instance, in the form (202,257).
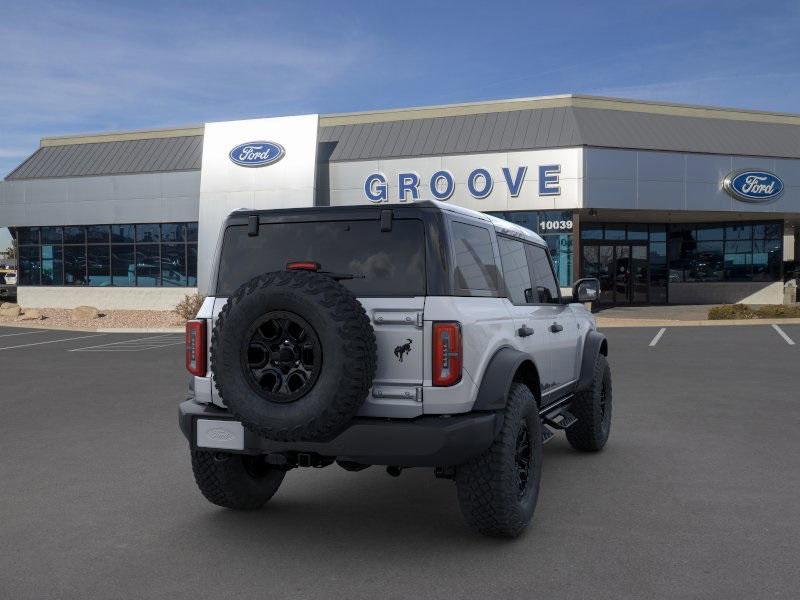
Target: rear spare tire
(293,355)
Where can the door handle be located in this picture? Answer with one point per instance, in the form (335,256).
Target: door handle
(524,331)
(556,327)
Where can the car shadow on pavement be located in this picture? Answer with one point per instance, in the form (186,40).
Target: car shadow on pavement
(326,508)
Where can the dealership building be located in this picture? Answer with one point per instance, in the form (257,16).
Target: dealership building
(665,203)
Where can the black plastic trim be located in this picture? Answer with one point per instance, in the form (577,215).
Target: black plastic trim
(427,441)
(591,348)
(497,379)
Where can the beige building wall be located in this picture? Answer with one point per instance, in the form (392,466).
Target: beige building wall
(103,298)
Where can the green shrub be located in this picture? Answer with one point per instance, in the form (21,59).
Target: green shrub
(190,305)
(747,311)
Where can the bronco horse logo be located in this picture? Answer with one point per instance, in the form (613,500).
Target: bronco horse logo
(402,350)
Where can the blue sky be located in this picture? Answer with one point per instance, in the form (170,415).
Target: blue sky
(74,67)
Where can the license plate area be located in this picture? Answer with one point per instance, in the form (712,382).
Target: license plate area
(219,434)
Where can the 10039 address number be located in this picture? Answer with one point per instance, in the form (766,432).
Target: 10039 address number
(565,225)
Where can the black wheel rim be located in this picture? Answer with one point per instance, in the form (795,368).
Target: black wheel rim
(281,356)
(523,459)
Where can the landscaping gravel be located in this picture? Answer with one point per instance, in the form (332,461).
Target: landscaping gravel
(55,318)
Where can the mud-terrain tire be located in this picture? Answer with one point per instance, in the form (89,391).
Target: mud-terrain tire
(493,499)
(330,321)
(236,481)
(592,408)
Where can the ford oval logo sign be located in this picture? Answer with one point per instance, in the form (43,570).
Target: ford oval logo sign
(753,186)
(257,154)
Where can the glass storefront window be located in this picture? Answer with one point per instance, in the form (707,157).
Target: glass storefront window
(561,251)
(123,265)
(173,265)
(658,233)
(27,235)
(726,252)
(122,234)
(709,232)
(99,265)
(614,232)
(52,265)
(74,235)
(173,232)
(148,233)
(739,231)
(74,265)
(148,265)
(29,264)
(191,266)
(51,235)
(108,255)
(769,231)
(591,231)
(637,232)
(97,234)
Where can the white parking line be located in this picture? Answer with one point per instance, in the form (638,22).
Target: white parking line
(782,333)
(130,344)
(24,333)
(658,336)
(83,337)
(136,348)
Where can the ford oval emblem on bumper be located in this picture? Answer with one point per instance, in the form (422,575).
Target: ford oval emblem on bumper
(750,185)
(257,154)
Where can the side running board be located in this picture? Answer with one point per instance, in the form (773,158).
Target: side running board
(556,416)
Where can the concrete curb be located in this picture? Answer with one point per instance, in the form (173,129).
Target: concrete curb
(609,322)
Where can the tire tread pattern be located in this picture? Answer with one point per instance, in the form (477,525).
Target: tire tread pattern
(487,490)
(588,433)
(226,483)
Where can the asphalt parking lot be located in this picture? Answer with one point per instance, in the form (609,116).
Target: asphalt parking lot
(696,495)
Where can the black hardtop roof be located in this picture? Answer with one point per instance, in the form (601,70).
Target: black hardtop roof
(421,209)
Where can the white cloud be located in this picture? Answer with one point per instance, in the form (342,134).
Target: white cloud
(69,68)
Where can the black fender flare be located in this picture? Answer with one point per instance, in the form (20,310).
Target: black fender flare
(594,344)
(497,378)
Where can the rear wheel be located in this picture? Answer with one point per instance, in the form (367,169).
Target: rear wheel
(237,481)
(593,411)
(498,489)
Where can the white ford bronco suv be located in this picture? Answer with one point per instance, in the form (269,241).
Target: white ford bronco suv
(419,335)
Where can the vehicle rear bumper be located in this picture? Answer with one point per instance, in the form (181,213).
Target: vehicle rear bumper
(427,441)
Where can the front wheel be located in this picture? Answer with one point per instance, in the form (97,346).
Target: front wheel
(498,489)
(236,481)
(592,407)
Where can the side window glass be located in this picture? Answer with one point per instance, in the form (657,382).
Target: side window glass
(544,281)
(515,271)
(475,266)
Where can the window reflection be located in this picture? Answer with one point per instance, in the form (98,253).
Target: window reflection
(108,255)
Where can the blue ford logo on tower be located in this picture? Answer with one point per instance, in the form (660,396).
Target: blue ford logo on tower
(257,154)
(753,186)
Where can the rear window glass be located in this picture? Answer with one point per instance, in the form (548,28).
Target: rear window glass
(475,266)
(392,262)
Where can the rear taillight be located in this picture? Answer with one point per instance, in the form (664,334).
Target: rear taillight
(196,347)
(447,353)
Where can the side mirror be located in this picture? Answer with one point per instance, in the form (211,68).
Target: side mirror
(586,290)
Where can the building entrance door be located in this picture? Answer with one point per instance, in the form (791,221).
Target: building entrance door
(621,267)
